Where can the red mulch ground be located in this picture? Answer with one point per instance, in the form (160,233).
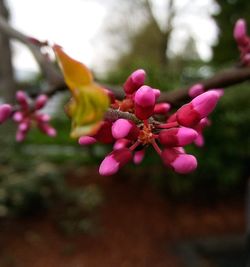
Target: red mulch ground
(138,228)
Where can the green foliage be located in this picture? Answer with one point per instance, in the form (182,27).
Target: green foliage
(35,178)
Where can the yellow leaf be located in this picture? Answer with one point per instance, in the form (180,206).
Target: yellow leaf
(89,101)
(75,73)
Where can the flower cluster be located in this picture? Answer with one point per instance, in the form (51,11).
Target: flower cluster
(27,113)
(131,136)
(243,41)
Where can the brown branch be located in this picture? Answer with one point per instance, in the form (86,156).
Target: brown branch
(223,79)
(56,82)
(51,73)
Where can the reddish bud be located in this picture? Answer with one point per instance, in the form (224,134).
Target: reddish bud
(139,156)
(18,116)
(20,136)
(86,140)
(240,33)
(144,102)
(201,106)
(121,143)
(162,108)
(157,93)
(114,161)
(47,129)
(22,99)
(177,136)
(134,81)
(5,112)
(124,129)
(42,117)
(179,162)
(41,101)
(196,90)
(104,134)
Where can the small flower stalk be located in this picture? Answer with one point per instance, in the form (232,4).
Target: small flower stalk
(168,137)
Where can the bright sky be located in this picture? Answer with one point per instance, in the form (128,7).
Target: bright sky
(72,24)
(75,24)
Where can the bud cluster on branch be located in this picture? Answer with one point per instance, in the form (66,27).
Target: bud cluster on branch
(142,118)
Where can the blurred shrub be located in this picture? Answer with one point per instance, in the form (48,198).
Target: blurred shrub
(34,179)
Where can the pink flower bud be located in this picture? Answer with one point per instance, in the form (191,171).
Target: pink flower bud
(18,116)
(162,108)
(24,126)
(41,101)
(179,162)
(20,136)
(134,81)
(177,136)
(42,118)
(22,99)
(196,90)
(121,143)
(201,106)
(114,161)
(144,102)
(124,129)
(246,59)
(104,134)
(47,129)
(172,118)
(87,140)
(139,156)
(110,94)
(5,112)
(240,31)
(220,92)
(157,93)
(199,141)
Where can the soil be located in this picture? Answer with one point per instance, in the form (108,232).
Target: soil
(137,228)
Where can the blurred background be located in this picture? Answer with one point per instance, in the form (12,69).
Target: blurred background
(55,209)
